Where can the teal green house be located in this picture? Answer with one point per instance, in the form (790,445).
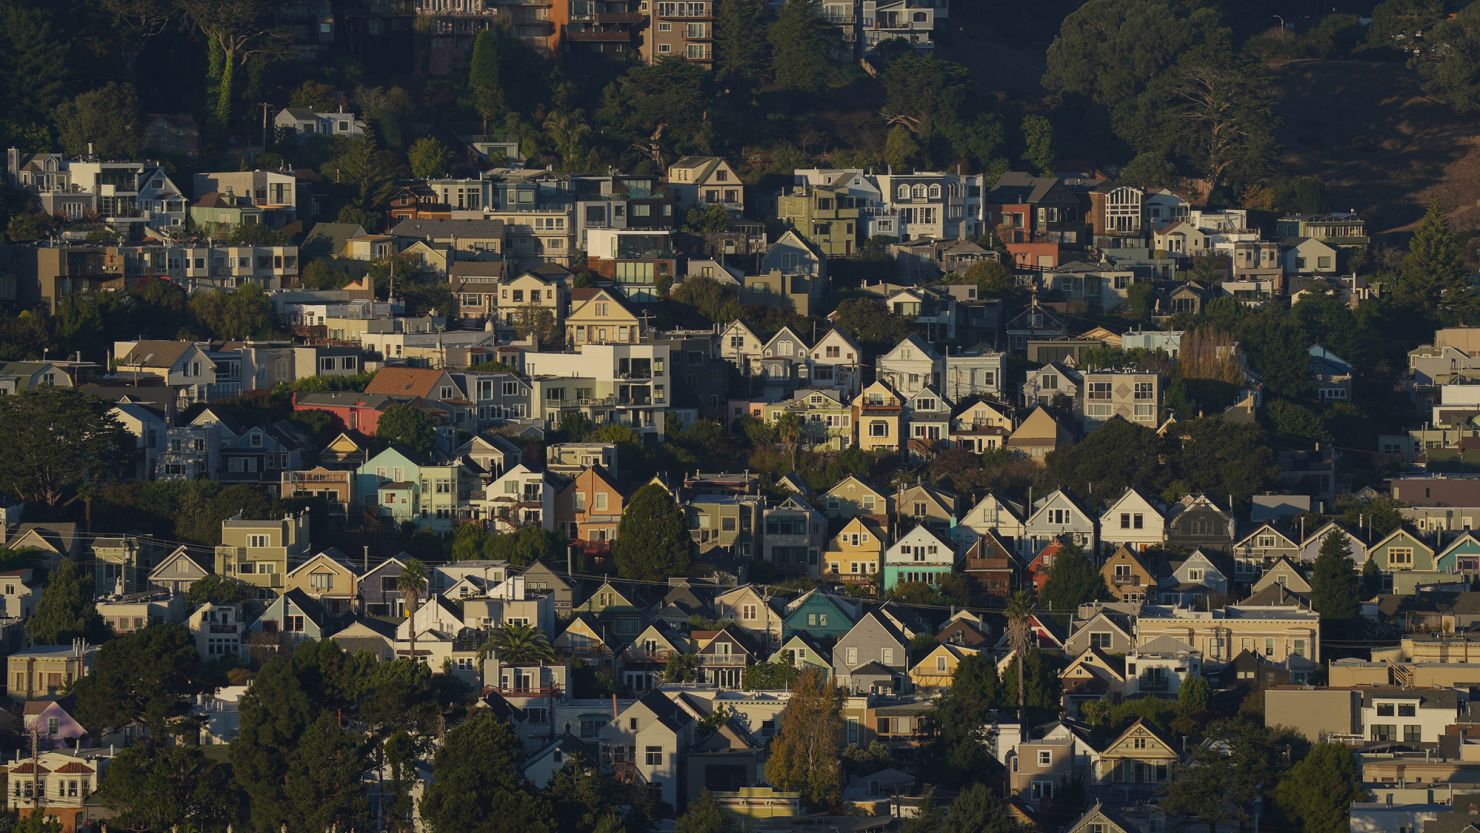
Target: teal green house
(820,615)
(1462,555)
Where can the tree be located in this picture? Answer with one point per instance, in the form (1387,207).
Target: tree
(1199,793)
(704,815)
(1090,58)
(1433,275)
(428,157)
(1222,458)
(775,675)
(408,427)
(1334,582)
(314,95)
(1372,582)
(1394,20)
(653,541)
(806,752)
(65,612)
(244,312)
(1072,581)
(412,583)
(900,148)
(1450,71)
(324,789)
(660,109)
(1040,682)
(869,322)
(236,31)
(568,132)
(1318,792)
(151,675)
(62,444)
(154,787)
(479,768)
(517,644)
(1194,695)
(105,121)
(1038,143)
(1221,116)
(978,810)
(681,668)
(318,274)
(1114,457)
(957,752)
(1019,610)
(34,70)
(739,42)
(992,277)
(367,171)
(799,46)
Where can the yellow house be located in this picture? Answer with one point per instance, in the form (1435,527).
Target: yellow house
(853,497)
(827,418)
(937,668)
(878,413)
(854,554)
(324,578)
(1127,576)
(600,317)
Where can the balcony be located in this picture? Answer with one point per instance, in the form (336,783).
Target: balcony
(723,660)
(525,691)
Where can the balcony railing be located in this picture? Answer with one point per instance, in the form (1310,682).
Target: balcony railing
(723,660)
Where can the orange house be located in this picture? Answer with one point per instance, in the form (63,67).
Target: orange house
(589,508)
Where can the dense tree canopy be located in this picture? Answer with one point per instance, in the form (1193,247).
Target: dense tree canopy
(653,541)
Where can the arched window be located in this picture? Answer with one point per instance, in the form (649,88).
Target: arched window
(919,192)
(935,192)
(904,192)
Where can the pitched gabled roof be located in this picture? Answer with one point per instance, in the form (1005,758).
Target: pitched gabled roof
(406,381)
(666,711)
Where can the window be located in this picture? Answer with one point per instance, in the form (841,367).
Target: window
(1412,734)
(850,656)
(1045,757)
(1099,390)
(293,623)
(1407,710)
(1400,557)
(1100,640)
(256,541)
(653,755)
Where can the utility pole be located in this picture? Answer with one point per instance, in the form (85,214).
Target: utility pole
(35,770)
(264,105)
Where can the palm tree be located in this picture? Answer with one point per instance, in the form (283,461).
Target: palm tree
(1019,608)
(517,644)
(412,583)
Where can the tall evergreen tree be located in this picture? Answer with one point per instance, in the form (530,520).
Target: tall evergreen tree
(65,612)
(169,788)
(799,46)
(739,42)
(1334,582)
(478,782)
(1318,792)
(485,71)
(704,815)
(1072,581)
(653,541)
(324,788)
(1434,276)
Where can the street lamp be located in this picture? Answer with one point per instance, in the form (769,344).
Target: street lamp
(1282,23)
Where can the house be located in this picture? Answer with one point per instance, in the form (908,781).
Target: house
(306,122)
(1108,631)
(1133,521)
(1102,819)
(1309,256)
(836,361)
(261,553)
(589,507)
(398,488)
(753,611)
(643,660)
(909,367)
(1128,577)
(855,555)
(326,579)
(218,630)
(1332,373)
(19,592)
(645,742)
(990,565)
(135,611)
(994,514)
(621,613)
(181,366)
(701,181)
(539,577)
(794,535)
(1197,523)
(1281,633)
(928,505)
(853,498)
(66,790)
(819,615)
(47,670)
(873,656)
(723,656)
(878,412)
(51,722)
(937,668)
(981,426)
(1039,434)
(292,618)
(1142,758)
(1404,558)
(1161,666)
(1311,546)
(1196,581)
(920,555)
(803,652)
(1285,579)
(1261,546)
(1058,516)
(584,637)
(177,571)
(600,316)
(1134,396)
(728,521)
(1092,675)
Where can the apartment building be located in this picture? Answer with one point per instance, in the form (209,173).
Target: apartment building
(627,384)
(261,553)
(680,29)
(1280,634)
(1134,396)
